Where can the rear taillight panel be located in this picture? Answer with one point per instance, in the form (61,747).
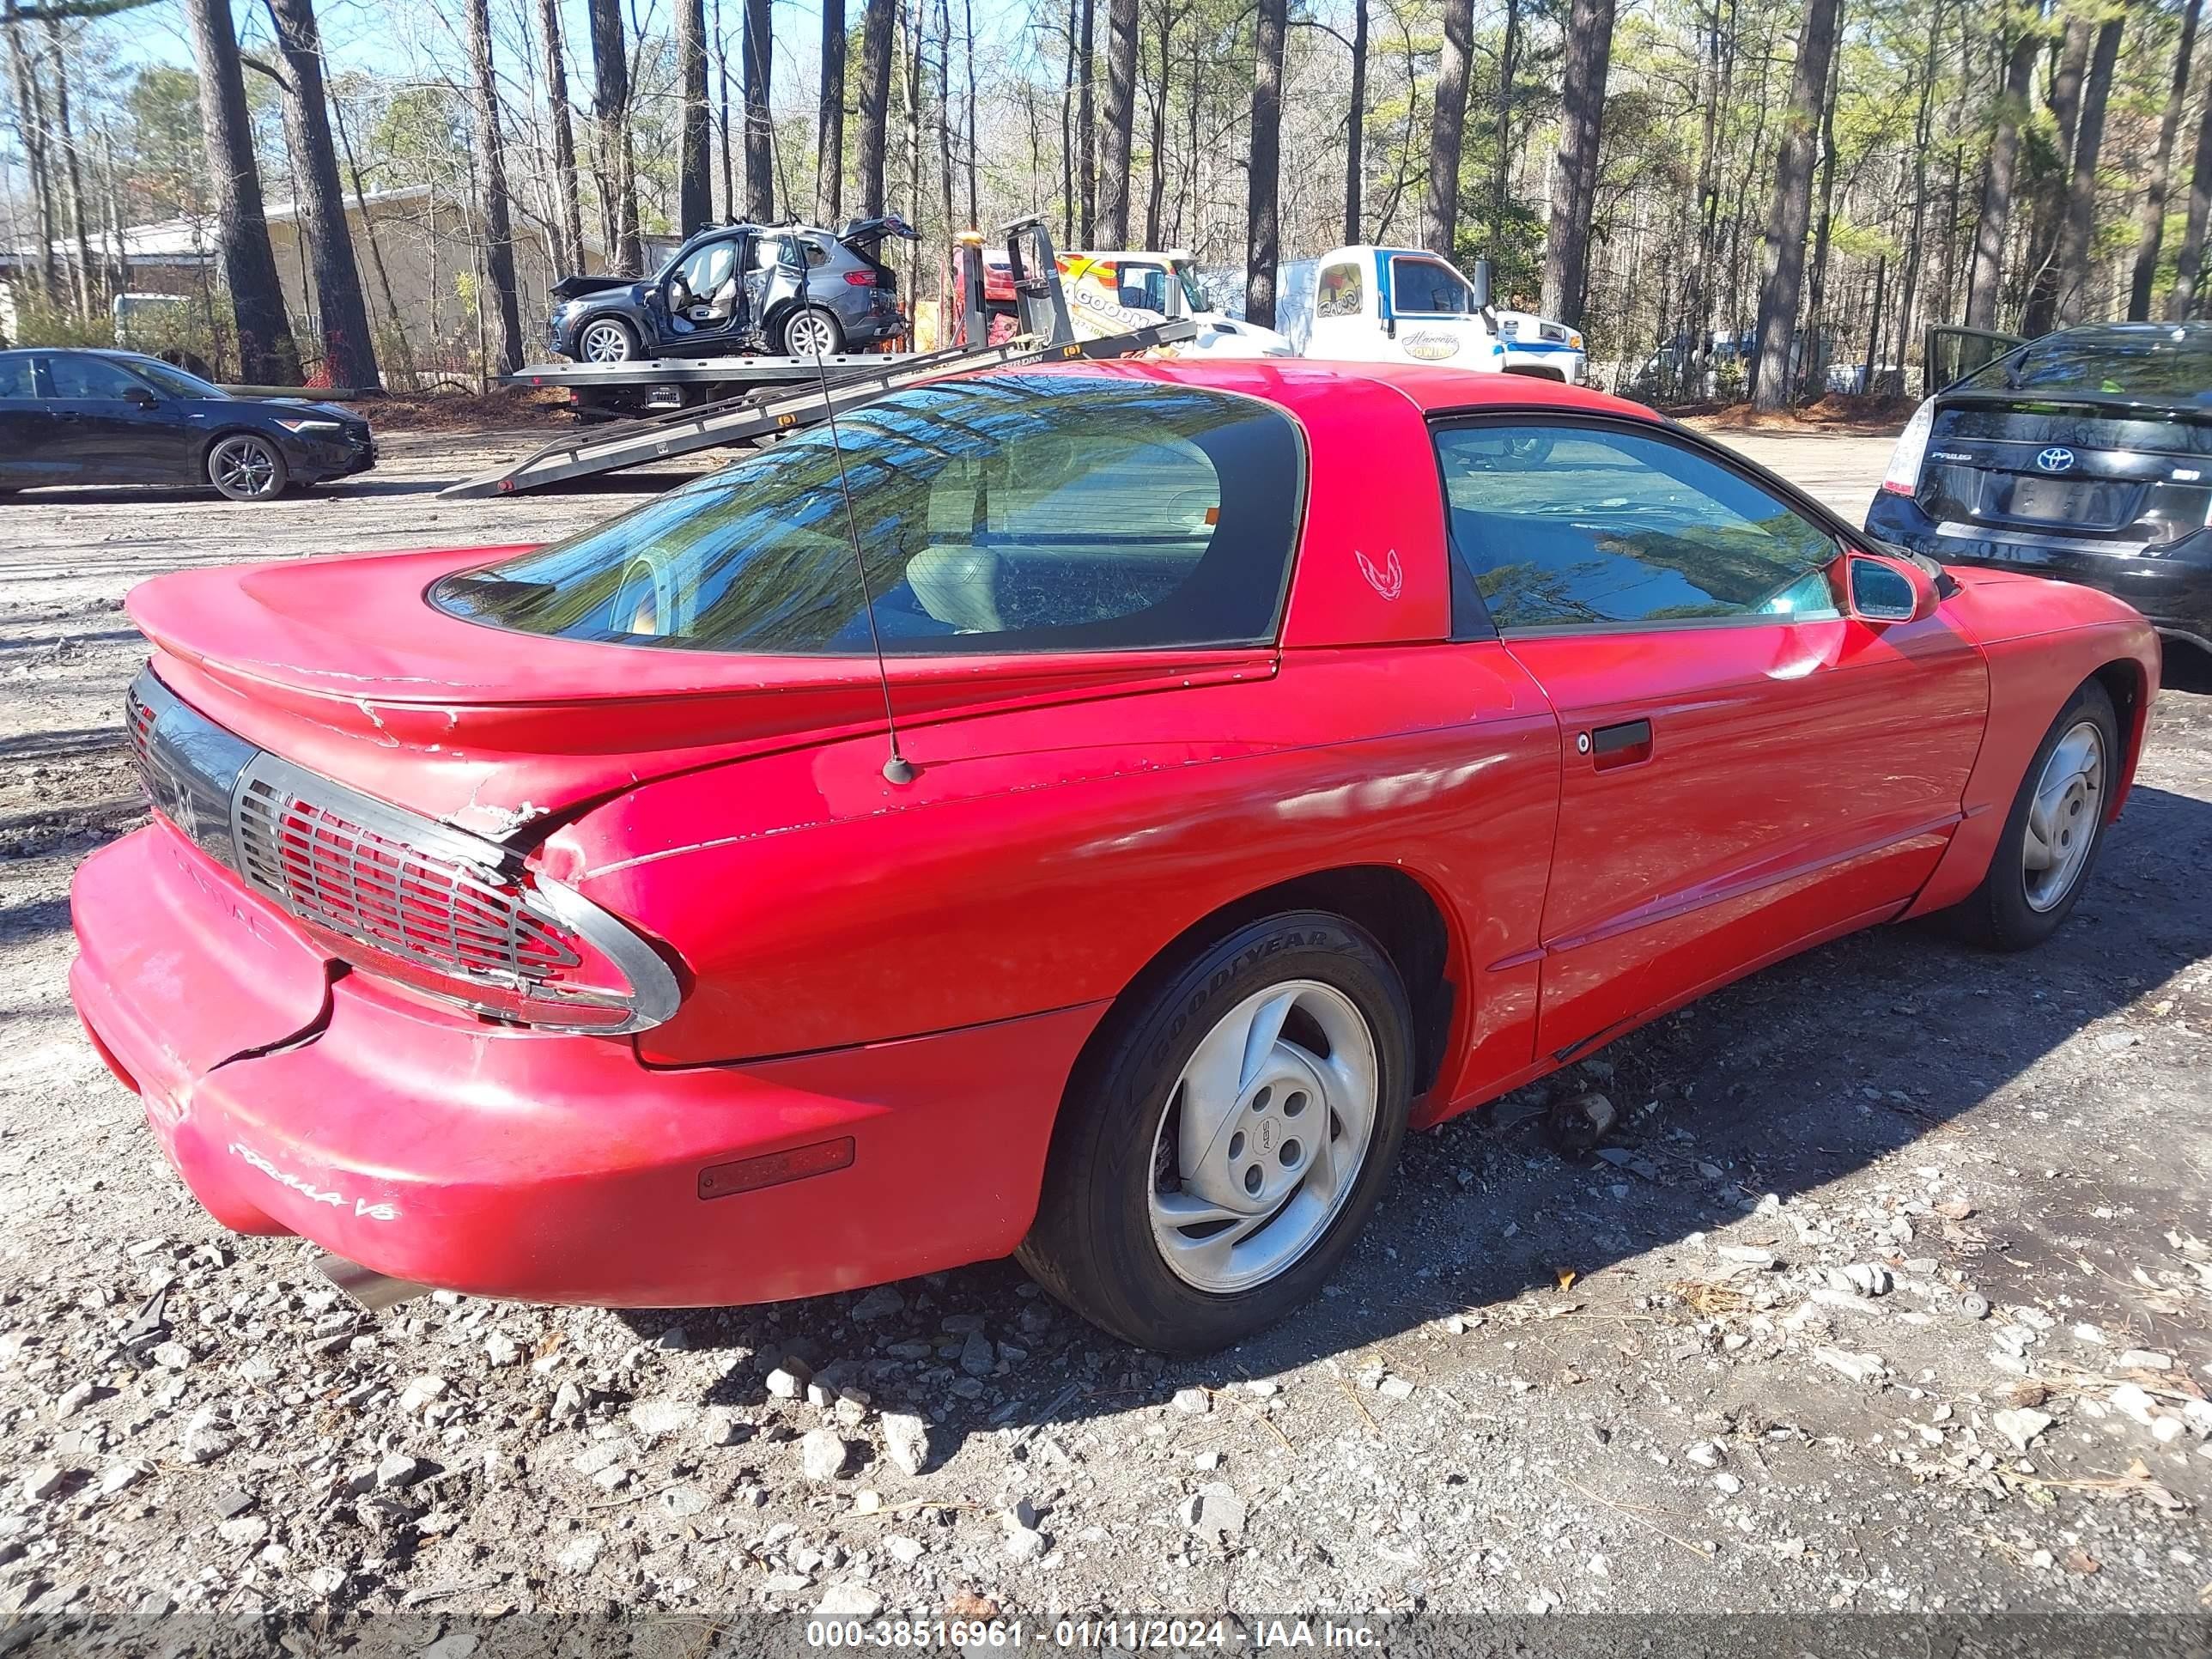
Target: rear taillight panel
(410,899)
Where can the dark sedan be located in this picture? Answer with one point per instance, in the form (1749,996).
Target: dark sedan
(2085,455)
(116,417)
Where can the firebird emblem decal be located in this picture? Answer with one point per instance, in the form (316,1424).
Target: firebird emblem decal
(1390,581)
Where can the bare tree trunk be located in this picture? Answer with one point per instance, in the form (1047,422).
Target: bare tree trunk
(757,60)
(31,126)
(876,29)
(1501,176)
(1157,183)
(1355,127)
(1086,125)
(1566,253)
(571,254)
(1987,268)
(2041,306)
(1262,231)
(266,353)
(914,23)
(348,344)
(829,118)
(968,50)
(944,154)
(1121,121)
(491,152)
(395,332)
(2080,226)
(1067,169)
(2187,300)
(1908,291)
(1815,362)
(618,155)
(1448,129)
(2150,221)
(723,151)
(72,174)
(694,161)
(1791,207)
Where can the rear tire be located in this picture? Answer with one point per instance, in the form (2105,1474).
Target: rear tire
(1227,1135)
(812,332)
(2054,831)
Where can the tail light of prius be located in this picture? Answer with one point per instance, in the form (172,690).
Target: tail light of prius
(1903,477)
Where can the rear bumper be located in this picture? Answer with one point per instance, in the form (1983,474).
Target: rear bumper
(2172,588)
(544,1167)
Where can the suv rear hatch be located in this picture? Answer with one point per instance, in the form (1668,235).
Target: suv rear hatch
(864,239)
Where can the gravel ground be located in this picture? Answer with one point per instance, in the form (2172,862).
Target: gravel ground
(1889,1295)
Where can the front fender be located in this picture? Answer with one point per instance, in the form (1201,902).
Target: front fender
(2042,639)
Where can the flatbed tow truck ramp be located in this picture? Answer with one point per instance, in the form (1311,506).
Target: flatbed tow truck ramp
(781,395)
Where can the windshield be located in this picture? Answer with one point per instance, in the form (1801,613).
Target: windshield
(2167,364)
(167,377)
(1021,512)
(1194,292)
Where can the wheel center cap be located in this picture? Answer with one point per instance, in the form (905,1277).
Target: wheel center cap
(1266,1134)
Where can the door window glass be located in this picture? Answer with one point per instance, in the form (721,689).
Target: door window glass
(1339,293)
(707,268)
(16,378)
(75,376)
(1566,526)
(1430,287)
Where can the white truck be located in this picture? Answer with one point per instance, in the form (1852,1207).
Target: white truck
(1113,292)
(1386,305)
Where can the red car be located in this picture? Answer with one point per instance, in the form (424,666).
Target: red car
(1285,756)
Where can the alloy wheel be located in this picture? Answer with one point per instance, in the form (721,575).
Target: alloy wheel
(2063,816)
(810,334)
(605,343)
(245,468)
(1264,1136)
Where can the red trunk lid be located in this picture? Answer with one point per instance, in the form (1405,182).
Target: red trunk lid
(343,666)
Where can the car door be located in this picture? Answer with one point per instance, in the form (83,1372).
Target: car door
(703,296)
(1747,769)
(1432,316)
(115,427)
(25,427)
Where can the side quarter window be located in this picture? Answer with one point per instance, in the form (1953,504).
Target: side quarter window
(1580,526)
(1339,292)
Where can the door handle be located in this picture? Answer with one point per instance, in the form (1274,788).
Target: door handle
(1623,744)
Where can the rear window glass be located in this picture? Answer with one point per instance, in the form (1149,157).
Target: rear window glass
(1021,512)
(2171,364)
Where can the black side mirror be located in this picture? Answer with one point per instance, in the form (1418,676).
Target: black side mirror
(1481,283)
(140,396)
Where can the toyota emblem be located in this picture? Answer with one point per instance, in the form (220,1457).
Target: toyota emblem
(2055,460)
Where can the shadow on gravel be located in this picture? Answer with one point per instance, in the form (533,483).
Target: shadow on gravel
(64,744)
(1781,1083)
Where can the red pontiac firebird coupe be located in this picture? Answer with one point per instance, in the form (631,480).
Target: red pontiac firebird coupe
(1285,756)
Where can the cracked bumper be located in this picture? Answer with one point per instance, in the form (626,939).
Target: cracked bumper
(536,1166)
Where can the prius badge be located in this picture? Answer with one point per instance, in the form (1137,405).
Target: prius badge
(2055,460)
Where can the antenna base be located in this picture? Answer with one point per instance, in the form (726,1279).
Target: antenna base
(899,770)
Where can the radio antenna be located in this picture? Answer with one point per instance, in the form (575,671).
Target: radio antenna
(897,769)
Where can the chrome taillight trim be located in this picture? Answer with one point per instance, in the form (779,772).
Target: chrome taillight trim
(232,801)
